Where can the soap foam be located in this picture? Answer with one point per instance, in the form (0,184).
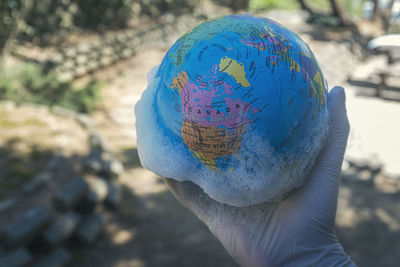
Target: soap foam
(263,174)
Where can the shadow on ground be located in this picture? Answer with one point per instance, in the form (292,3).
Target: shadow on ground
(20,162)
(155,230)
(130,158)
(369,223)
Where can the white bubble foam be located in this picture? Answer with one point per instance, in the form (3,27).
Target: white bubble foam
(265,176)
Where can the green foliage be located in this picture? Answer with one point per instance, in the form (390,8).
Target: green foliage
(96,14)
(325,20)
(273,4)
(353,8)
(28,83)
(45,19)
(8,10)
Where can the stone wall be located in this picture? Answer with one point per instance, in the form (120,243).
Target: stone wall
(86,57)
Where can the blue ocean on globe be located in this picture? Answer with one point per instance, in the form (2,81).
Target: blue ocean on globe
(237,106)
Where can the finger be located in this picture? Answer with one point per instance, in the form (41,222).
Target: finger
(321,191)
(193,198)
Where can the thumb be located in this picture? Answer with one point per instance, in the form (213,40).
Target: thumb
(321,191)
(331,157)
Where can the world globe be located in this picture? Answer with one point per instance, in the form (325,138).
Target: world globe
(237,106)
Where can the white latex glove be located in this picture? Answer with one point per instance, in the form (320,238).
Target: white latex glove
(298,231)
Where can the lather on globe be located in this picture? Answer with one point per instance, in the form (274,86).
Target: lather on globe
(237,106)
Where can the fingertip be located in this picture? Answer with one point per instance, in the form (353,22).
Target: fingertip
(337,98)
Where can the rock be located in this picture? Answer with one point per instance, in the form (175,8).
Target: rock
(58,258)
(169,18)
(115,57)
(25,228)
(84,48)
(121,37)
(67,113)
(93,65)
(37,182)
(70,52)
(90,228)
(136,41)
(113,168)
(68,64)
(57,58)
(371,164)
(108,50)
(16,258)
(7,204)
(97,142)
(97,193)
(65,76)
(102,163)
(80,70)
(55,162)
(105,61)
(366,175)
(126,53)
(114,194)
(70,194)
(96,44)
(85,120)
(61,229)
(93,164)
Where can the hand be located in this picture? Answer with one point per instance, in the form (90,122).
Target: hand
(298,231)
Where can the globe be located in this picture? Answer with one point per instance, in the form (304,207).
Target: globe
(237,106)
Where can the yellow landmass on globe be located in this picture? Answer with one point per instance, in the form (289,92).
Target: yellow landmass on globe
(235,69)
(319,87)
(294,66)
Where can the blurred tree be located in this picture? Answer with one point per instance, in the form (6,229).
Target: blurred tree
(100,14)
(235,5)
(377,10)
(336,10)
(305,6)
(46,21)
(9,15)
(386,15)
(380,16)
(339,12)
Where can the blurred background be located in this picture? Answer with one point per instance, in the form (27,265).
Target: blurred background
(72,192)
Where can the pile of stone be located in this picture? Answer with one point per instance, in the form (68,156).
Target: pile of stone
(41,235)
(48,235)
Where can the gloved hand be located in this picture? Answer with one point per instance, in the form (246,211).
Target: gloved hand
(298,231)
